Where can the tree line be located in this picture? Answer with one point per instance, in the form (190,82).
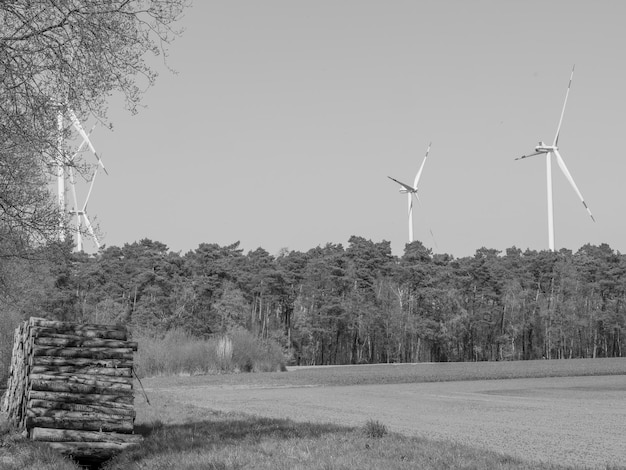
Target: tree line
(344,305)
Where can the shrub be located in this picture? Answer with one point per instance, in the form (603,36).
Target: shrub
(177,352)
(375,429)
(250,354)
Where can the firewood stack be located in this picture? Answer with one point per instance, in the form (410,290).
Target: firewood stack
(71,385)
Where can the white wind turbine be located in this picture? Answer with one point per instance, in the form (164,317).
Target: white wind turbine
(549,150)
(82,211)
(411,191)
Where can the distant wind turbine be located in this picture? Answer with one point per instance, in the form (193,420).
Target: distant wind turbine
(411,191)
(82,211)
(548,150)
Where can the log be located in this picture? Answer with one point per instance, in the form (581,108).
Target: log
(69,387)
(18,378)
(12,384)
(64,435)
(121,409)
(91,353)
(85,399)
(109,372)
(81,362)
(96,380)
(83,342)
(7,398)
(8,404)
(91,450)
(71,326)
(65,415)
(53,374)
(27,351)
(78,424)
(38,332)
(40,402)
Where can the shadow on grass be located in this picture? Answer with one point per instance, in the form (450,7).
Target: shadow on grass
(214,434)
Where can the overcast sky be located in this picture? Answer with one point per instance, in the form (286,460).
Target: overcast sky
(285,118)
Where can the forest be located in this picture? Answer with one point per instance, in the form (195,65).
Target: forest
(340,305)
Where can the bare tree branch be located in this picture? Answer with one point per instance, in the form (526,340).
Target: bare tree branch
(74,54)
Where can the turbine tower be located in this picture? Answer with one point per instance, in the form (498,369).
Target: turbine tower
(79,212)
(411,191)
(550,150)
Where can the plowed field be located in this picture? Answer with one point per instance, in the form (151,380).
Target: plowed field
(572,420)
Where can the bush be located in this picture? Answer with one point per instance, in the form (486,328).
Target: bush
(177,352)
(250,354)
(375,429)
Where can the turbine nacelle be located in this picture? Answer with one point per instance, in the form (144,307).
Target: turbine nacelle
(543,148)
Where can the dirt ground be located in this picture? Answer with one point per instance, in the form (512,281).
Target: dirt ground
(577,421)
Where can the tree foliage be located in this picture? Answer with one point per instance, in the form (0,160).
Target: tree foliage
(354,304)
(57,56)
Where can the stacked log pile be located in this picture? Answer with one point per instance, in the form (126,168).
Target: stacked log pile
(71,385)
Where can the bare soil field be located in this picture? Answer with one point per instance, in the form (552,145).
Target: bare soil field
(574,420)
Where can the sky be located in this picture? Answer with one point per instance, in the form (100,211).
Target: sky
(284,119)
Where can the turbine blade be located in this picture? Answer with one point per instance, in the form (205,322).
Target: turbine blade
(73,185)
(529,155)
(433,237)
(419,173)
(85,137)
(82,144)
(419,201)
(568,175)
(406,186)
(91,231)
(417,198)
(558,129)
(93,179)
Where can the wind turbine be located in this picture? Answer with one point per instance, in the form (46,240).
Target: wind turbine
(411,191)
(550,150)
(82,211)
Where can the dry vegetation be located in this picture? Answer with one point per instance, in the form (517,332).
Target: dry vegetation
(176,352)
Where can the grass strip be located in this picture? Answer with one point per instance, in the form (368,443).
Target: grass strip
(185,437)
(402,373)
